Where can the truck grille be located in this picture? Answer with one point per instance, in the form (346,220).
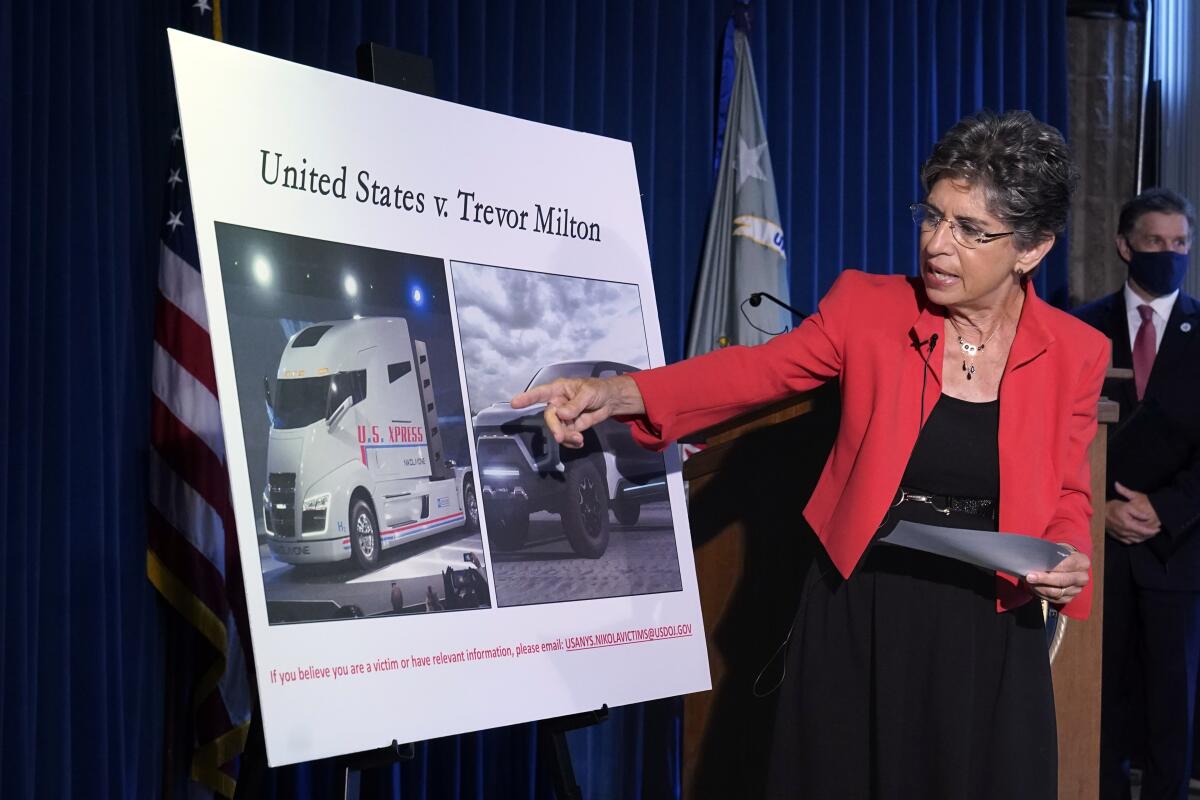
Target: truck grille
(281,494)
(498,452)
(533,438)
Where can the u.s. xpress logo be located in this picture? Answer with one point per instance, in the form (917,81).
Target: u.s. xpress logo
(760,231)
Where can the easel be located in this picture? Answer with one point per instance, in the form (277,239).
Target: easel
(556,756)
(355,763)
(414,73)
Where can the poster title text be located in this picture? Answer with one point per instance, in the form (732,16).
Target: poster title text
(363,187)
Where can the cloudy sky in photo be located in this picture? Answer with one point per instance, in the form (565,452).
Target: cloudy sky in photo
(513,322)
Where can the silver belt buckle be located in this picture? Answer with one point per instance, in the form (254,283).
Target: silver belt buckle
(920,498)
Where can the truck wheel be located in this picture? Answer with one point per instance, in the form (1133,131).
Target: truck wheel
(365,544)
(585,509)
(627,511)
(470,504)
(508,527)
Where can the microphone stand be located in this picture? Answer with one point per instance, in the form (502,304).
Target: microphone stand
(757,297)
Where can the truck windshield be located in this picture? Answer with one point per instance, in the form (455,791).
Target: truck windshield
(299,402)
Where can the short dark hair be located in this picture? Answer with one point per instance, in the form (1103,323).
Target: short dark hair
(1023,166)
(1158,199)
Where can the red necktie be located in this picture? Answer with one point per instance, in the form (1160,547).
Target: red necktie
(1143,350)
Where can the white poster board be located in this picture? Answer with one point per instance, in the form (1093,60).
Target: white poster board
(382,272)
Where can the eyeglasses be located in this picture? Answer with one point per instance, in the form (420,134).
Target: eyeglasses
(964,233)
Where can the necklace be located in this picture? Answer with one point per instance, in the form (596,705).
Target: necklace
(972,350)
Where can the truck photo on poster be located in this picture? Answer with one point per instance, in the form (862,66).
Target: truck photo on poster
(418,560)
(365,500)
(562,524)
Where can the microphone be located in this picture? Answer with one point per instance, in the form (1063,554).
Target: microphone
(918,344)
(757,297)
(933,340)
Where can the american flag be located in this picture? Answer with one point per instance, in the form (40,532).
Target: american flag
(192,552)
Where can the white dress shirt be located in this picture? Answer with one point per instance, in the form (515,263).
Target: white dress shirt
(1162,312)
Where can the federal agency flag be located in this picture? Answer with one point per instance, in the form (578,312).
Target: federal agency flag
(744,249)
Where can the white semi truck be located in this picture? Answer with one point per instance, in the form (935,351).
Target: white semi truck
(354,458)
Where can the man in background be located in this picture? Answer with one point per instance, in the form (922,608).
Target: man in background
(1152,519)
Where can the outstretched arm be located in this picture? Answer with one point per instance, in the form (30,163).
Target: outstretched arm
(668,402)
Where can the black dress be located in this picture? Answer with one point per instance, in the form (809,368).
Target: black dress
(903,681)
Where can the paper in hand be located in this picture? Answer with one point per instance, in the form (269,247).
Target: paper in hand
(1012,553)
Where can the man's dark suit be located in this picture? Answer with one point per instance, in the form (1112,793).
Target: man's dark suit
(1152,589)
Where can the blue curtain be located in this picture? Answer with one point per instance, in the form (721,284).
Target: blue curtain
(81,660)
(855,93)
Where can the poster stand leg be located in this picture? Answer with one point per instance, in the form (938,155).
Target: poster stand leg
(552,749)
(554,753)
(355,763)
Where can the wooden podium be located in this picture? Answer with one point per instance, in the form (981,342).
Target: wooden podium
(745,493)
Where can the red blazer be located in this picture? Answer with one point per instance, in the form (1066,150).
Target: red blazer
(864,333)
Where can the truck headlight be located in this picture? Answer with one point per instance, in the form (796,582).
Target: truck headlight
(318,502)
(314,514)
(501,472)
(266,511)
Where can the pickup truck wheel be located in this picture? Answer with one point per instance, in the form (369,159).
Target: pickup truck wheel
(585,509)
(365,545)
(470,504)
(627,511)
(508,528)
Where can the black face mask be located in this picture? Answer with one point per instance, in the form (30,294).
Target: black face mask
(1158,272)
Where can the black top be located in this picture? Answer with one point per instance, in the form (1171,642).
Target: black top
(957,453)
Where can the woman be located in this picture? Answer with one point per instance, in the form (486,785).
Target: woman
(909,674)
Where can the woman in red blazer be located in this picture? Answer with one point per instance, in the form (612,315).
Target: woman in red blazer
(966,402)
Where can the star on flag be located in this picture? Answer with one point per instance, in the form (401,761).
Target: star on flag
(749,162)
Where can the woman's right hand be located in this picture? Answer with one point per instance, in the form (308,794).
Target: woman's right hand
(575,404)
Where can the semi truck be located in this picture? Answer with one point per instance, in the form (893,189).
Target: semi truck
(523,470)
(354,457)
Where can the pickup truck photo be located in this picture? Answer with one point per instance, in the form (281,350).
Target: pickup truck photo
(522,470)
